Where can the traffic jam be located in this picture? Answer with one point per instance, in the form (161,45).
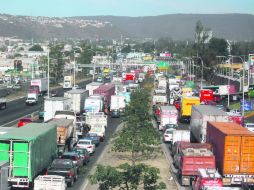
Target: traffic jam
(210,146)
(53,151)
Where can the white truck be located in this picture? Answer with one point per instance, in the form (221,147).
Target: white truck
(160,90)
(200,115)
(68,82)
(53,104)
(52,182)
(92,86)
(78,97)
(94,104)
(117,103)
(39,86)
(160,99)
(32,99)
(98,123)
(168,115)
(3,103)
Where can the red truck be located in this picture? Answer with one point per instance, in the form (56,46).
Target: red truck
(206,95)
(207,178)
(191,160)
(106,90)
(179,146)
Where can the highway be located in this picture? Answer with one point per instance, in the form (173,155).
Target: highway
(17,109)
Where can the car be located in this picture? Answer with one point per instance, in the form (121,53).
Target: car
(75,157)
(168,135)
(115,113)
(86,143)
(54,93)
(24,121)
(83,153)
(249,126)
(99,79)
(65,168)
(75,87)
(169,126)
(9,86)
(16,86)
(95,137)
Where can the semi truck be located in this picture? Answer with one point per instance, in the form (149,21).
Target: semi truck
(68,82)
(53,104)
(186,107)
(233,147)
(29,151)
(38,86)
(200,115)
(106,90)
(77,97)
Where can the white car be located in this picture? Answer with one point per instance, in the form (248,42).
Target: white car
(87,144)
(250,126)
(75,87)
(168,135)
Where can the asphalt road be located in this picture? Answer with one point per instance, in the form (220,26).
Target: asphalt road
(18,109)
(112,126)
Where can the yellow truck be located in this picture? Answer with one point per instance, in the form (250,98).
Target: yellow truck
(186,107)
(186,91)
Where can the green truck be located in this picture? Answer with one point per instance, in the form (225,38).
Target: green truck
(29,151)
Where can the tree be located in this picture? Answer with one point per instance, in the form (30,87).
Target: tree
(126,49)
(36,47)
(127,177)
(57,61)
(201,37)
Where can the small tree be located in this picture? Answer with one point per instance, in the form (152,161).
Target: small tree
(127,177)
(36,47)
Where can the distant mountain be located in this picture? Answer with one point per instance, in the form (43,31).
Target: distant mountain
(175,26)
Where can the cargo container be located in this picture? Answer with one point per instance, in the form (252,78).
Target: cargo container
(233,147)
(191,160)
(181,135)
(53,104)
(199,117)
(29,151)
(92,86)
(117,103)
(77,97)
(52,182)
(186,107)
(106,90)
(65,130)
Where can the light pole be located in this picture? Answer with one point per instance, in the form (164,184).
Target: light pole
(74,72)
(48,73)
(202,69)
(243,82)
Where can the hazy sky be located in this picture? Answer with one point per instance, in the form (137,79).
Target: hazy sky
(122,7)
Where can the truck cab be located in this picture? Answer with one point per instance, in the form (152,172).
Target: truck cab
(207,178)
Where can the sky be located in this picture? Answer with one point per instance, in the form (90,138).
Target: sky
(134,8)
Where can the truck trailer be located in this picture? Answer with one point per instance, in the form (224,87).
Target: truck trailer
(199,117)
(29,151)
(233,147)
(77,97)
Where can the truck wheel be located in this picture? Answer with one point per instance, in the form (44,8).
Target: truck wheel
(70,184)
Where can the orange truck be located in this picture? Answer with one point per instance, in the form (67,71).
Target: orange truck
(233,147)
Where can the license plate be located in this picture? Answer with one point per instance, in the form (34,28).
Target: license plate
(237,179)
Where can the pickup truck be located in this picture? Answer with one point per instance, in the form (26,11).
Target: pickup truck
(65,168)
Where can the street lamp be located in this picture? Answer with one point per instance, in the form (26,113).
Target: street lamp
(243,82)
(48,73)
(202,63)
